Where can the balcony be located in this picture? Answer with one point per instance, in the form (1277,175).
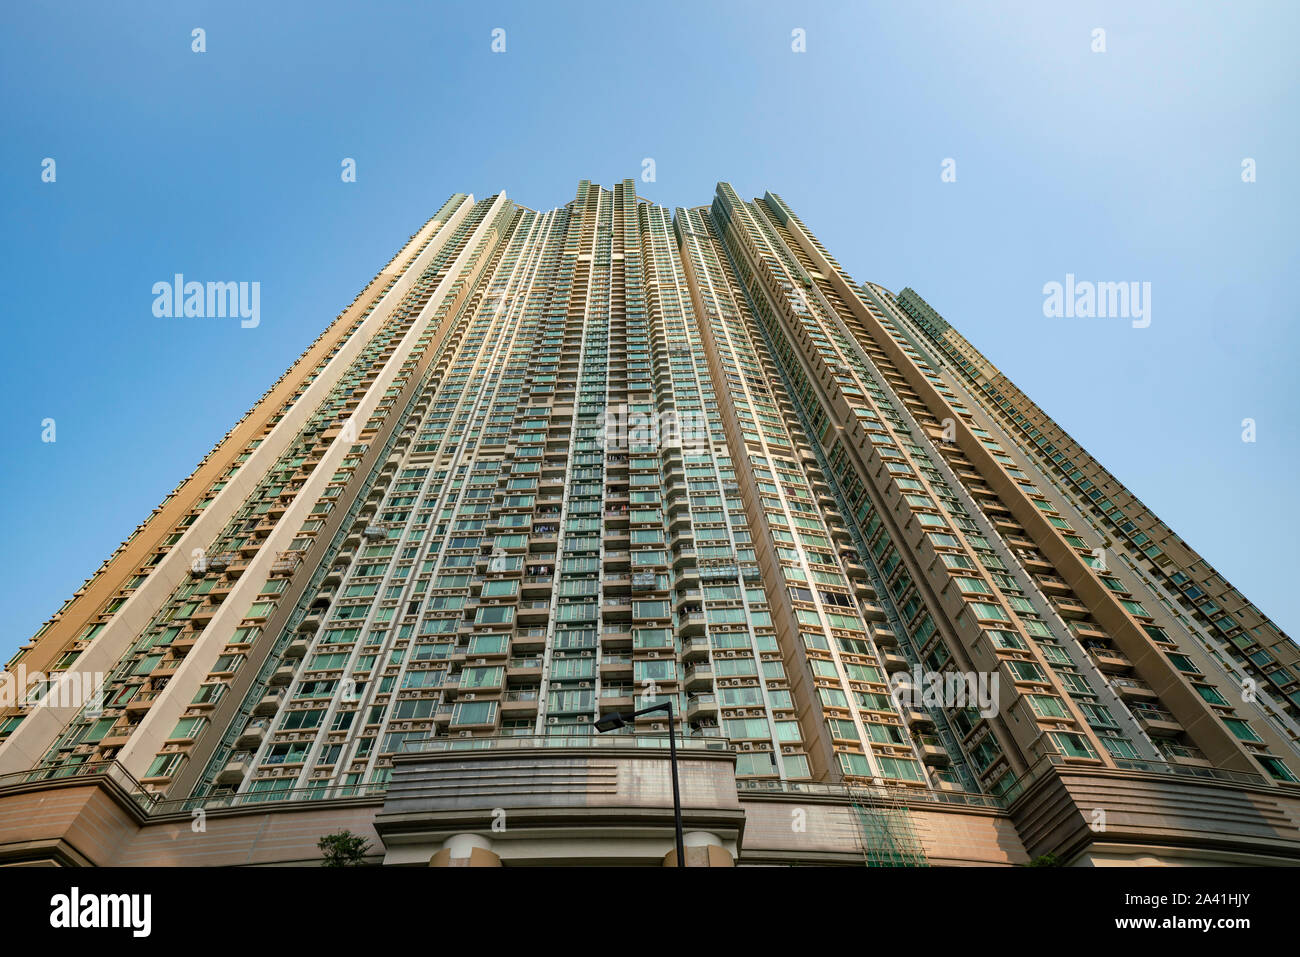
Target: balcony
(691,624)
(871,612)
(1070,607)
(1087,629)
(222,561)
(894,662)
(117,736)
(524,667)
(701,706)
(533,612)
(616,609)
(692,595)
(141,702)
(536,585)
(203,614)
(695,650)
(250,739)
(918,720)
(269,704)
(527,639)
(1184,754)
(1108,659)
(617,697)
(1130,689)
(235,771)
(684,557)
(1035,562)
(1052,585)
(519,703)
(1157,721)
(699,676)
(286,563)
(932,751)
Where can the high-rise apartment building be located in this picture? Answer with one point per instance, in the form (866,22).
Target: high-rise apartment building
(550,466)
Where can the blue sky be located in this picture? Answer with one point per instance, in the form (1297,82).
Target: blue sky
(1115,166)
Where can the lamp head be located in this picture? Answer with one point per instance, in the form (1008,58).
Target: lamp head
(610,722)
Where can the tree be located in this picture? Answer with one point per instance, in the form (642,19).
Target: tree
(343,849)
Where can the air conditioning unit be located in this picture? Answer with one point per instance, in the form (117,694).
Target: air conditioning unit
(582,718)
(468,697)
(467,734)
(747,746)
(553,720)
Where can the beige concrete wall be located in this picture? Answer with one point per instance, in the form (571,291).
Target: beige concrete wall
(83,823)
(248,838)
(788,831)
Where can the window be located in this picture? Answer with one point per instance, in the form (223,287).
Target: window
(989,611)
(901,768)
(474,712)
(854,763)
(1134,608)
(845,730)
(1242,729)
(185,728)
(654,669)
(1072,745)
(1046,706)
(165,765)
(1210,694)
(494,615)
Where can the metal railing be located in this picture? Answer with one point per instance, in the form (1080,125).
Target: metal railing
(536,741)
(904,795)
(1050,761)
(86,772)
(248,798)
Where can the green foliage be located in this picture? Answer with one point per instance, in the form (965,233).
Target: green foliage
(343,849)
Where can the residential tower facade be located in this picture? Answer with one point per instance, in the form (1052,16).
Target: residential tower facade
(551,466)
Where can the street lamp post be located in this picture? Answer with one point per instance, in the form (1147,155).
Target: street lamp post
(617,720)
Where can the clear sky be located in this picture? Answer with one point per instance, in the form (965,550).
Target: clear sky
(1123,165)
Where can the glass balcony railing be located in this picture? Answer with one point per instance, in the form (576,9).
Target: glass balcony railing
(592,740)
